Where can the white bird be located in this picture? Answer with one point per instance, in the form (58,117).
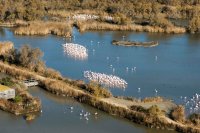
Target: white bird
(113,70)
(139,89)
(156,58)
(156,91)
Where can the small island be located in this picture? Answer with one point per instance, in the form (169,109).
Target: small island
(14,98)
(134,43)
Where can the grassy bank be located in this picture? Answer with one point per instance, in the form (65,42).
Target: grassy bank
(44,28)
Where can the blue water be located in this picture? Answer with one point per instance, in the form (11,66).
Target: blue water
(175,73)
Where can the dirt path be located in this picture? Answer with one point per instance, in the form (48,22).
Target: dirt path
(165,105)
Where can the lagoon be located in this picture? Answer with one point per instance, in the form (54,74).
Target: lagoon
(175,73)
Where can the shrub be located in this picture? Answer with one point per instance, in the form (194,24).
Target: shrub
(178,113)
(154,110)
(6,81)
(195,119)
(97,90)
(51,73)
(18,99)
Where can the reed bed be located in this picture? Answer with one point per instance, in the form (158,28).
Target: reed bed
(44,28)
(5,47)
(94,25)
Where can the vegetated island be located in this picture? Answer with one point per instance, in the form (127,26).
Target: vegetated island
(134,43)
(21,103)
(153,112)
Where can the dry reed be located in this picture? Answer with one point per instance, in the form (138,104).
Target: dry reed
(44,28)
(94,25)
(5,47)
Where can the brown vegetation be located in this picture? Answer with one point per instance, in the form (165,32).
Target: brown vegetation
(195,119)
(153,12)
(44,28)
(5,47)
(178,114)
(152,99)
(23,102)
(83,26)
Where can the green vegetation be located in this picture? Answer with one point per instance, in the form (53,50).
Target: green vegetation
(6,81)
(17,99)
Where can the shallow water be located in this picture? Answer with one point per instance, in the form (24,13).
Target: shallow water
(175,73)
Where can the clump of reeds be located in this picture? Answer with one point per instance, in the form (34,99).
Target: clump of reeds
(195,119)
(5,47)
(44,28)
(178,113)
(97,90)
(95,25)
(152,99)
(51,73)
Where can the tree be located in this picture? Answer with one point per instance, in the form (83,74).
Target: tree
(31,58)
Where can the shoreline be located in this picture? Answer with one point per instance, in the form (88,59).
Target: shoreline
(59,28)
(60,87)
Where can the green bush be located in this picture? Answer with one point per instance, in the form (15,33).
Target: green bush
(6,81)
(18,99)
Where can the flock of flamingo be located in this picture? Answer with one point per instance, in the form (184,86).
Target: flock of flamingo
(80,52)
(75,51)
(107,80)
(192,104)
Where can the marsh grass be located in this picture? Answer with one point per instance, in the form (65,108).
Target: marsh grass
(44,28)
(95,25)
(178,114)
